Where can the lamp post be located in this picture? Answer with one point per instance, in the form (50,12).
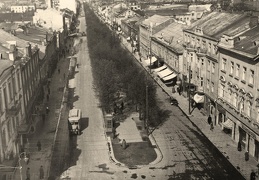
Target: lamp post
(150,51)
(189,93)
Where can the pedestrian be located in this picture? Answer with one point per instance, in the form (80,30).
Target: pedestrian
(252,175)
(41,172)
(239,148)
(246,156)
(122,105)
(47,110)
(48,90)
(47,97)
(209,120)
(211,126)
(43,118)
(124,144)
(178,90)
(28,175)
(39,145)
(58,70)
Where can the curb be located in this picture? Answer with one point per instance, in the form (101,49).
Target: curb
(157,149)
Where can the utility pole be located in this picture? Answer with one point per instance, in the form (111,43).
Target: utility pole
(147,114)
(189,94)
(150,51)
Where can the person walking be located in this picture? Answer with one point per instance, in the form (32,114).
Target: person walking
(41,172)
(28,175)
(211,126)
(39,145)
(47,97)
(209,120)
(47,110)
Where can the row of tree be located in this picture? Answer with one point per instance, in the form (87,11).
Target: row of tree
(114,70)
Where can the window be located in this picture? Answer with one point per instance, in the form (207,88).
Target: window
(244,73)
(209,49)
(235,100)
(5,98)
(208,66)
(248,108)
(213,68)
(232,68)
(201,81)
(14,85)
(1,102)
(223,65)
(251,77)
(212,87)
(208,84)
(221,90)
(237,70)
(229,96)
(10,89)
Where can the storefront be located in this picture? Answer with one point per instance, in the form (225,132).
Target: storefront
(221,115)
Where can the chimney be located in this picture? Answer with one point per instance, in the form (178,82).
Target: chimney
(253,21)
(28,50)
(12,52)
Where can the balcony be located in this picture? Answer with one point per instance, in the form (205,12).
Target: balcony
(14,110)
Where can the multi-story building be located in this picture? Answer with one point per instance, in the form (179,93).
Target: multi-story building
(201,55)
(11,102)
(167,46)
(149,27)
(22,8)
(238,90)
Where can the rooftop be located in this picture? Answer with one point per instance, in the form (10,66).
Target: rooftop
(246,44)
(173,36)
(155,20)
(216,24)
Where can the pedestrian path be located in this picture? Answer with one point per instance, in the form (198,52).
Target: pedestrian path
(46,128)
(221,140)
(128,130)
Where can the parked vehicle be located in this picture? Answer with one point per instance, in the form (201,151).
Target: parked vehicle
(74,119)
(173,101)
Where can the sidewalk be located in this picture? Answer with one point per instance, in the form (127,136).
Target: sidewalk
(45,134)
(221,140)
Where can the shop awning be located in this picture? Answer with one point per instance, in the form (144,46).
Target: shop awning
(171,76)
(149,62)
(164,73)
(71,83)
(198,98)
(228,124)
(160,68)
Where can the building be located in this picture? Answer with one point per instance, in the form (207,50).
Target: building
(202,58)
(22,8)
(149,27)
(238,93)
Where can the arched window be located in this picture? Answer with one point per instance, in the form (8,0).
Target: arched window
(235,100)
(241,105)
(248,108)
(229,96)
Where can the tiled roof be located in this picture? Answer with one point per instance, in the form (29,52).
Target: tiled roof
(155,20)
(246,44)
(172,32)
(217,23)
